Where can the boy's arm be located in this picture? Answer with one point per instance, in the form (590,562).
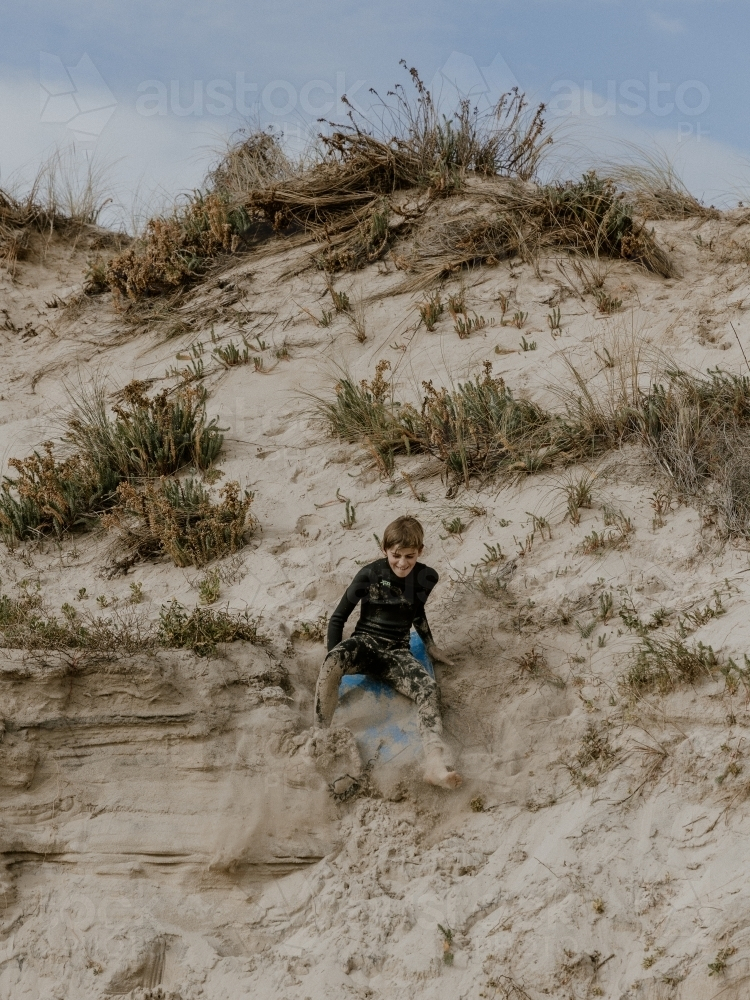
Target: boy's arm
(353,594)
(421,625)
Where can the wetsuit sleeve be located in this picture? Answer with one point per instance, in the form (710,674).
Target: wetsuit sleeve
(427,581)
(354,593)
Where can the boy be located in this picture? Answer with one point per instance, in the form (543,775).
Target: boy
(393,592)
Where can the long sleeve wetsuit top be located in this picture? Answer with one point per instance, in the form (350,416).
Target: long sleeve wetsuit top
(390,604)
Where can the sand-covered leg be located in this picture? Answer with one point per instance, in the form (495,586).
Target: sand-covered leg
(409,677)
(334,667)
(336,756)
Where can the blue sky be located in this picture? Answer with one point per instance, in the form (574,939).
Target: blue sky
(674,72)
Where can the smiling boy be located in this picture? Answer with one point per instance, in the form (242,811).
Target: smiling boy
(392,591)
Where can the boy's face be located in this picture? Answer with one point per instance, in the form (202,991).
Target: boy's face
(402,560)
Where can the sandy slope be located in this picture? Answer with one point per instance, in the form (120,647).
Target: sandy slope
(162,833)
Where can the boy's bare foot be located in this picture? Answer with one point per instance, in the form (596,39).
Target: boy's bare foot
(437,773)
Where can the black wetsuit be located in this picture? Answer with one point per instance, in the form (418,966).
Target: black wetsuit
(390,605)
(380,643)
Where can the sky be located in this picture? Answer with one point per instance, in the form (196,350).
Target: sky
(149,91)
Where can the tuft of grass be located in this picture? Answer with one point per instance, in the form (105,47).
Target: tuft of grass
(579,494)
(341,301)
(27,623)
(357,319)
(350,513)
(362,412)
(662,664)
(492,555)
(606,303)
(229,355)
(431,310)
(528,345)
(479,427)
(209,588)
(178,248)
(179,519)
(595,756)
(534,664)
(615,537)
(606,606)
(312,631)
(656,189)
(147,437)
(202,629)
(455,526)
(719,964)
(447,944)
(589,218)
(554,320)
(696,431)
(466,325)
(475,429)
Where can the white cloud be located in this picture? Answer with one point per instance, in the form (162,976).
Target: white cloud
(148,159)
(671,25)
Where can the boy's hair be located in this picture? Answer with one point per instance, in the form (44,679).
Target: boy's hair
(405,532)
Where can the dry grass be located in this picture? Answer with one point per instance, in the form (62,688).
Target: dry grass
(65,195)
(696,430)
(587,218)
(179,519)
(27,623)
(656,189)
(83,638)
(177,248)
(342,198)
(477,428)
(663,664)
(374,181)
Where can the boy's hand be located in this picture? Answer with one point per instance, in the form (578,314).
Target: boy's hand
(435,653)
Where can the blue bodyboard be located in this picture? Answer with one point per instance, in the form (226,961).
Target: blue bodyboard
(384,722)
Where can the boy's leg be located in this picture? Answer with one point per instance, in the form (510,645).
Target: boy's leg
(407,676)
(346,658)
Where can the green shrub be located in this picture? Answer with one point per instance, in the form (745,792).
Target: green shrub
(26,623)
(50,496)
(179,519)
(203,628)
(663,664)
(146,437)
(149,435)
